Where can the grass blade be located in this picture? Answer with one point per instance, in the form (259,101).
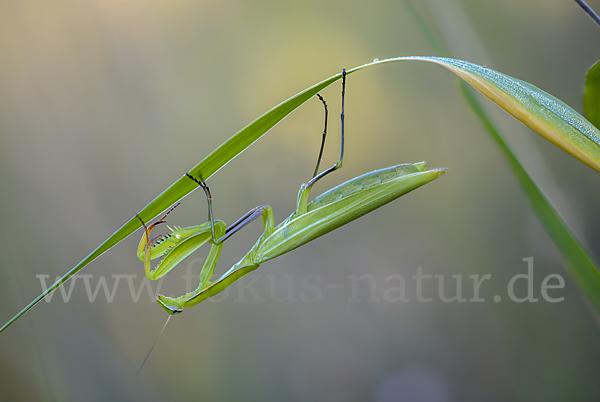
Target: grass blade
(182,187)
(540,111)
(579,264)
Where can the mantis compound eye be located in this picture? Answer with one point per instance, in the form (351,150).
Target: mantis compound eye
(169,304)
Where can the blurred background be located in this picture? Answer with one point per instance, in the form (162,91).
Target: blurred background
(103,104)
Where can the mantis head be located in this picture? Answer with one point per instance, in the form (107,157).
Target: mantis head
(172,306)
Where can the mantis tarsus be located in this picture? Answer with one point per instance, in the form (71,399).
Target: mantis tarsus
(327,212)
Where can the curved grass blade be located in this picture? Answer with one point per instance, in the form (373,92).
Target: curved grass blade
(538,110)
(591,96)
(579,264)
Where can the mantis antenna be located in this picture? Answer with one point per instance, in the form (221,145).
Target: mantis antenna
(154,344)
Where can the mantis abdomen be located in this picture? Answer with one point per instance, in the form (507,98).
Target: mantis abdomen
(343,204)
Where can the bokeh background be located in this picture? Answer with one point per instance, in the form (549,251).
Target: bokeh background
(103,104)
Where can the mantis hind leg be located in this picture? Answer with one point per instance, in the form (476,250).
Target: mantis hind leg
(338,164)
(323,138)
(302,202)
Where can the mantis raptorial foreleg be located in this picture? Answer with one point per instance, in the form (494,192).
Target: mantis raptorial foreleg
(175,246)
(146,244)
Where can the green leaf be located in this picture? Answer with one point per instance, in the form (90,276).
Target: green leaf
(591,96)
(540,111)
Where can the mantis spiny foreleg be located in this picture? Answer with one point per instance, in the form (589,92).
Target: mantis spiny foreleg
(146,244)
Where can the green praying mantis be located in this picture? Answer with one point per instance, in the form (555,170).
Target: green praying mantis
(327,212)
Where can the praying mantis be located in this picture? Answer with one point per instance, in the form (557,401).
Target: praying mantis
(329,211)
